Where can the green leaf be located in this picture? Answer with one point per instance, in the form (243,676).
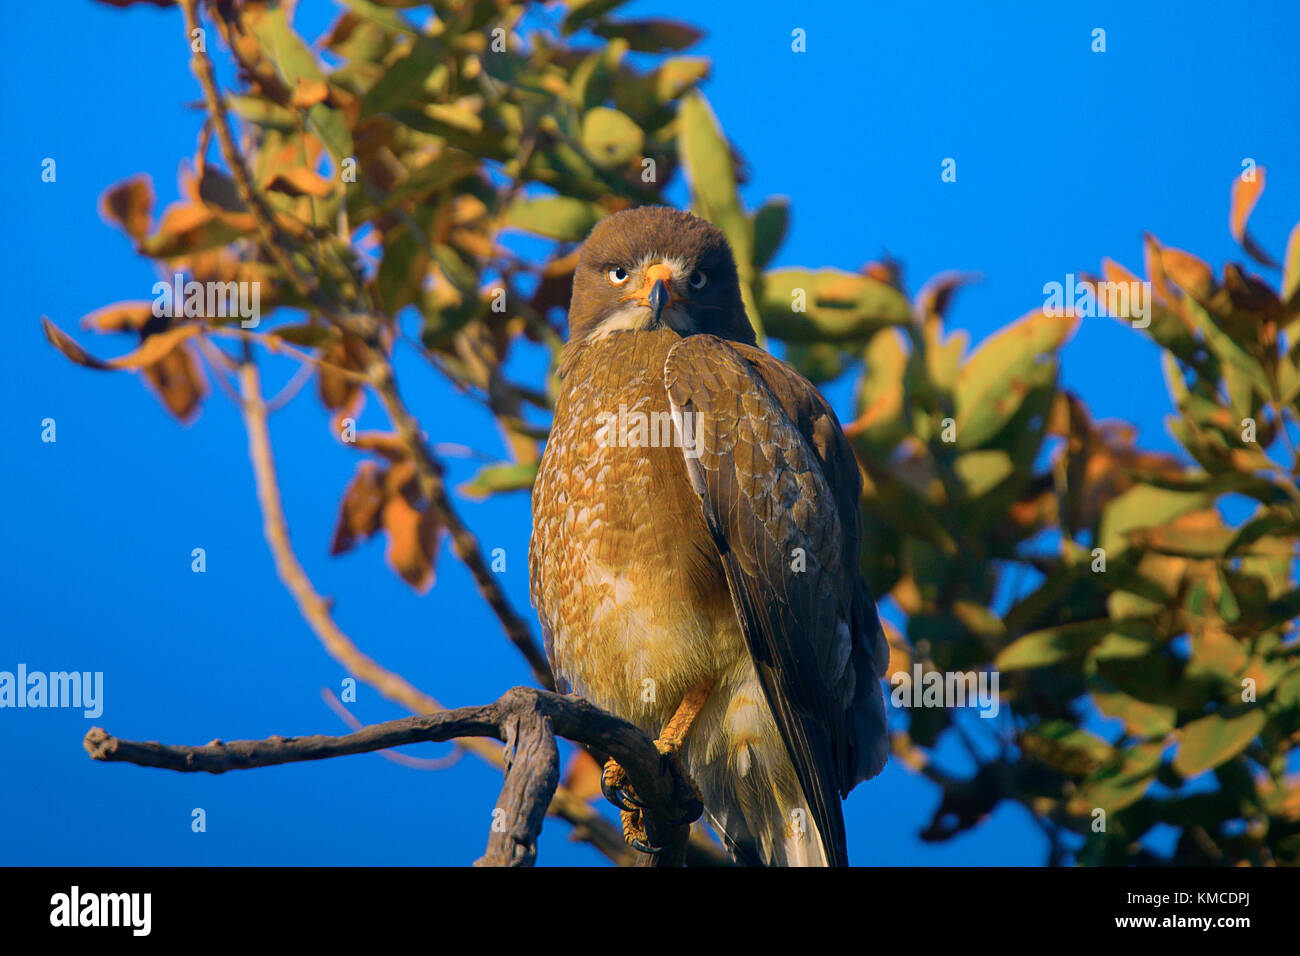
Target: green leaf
(992,385)
(1140,718)
(1144,506)
(818,362)
(1067,748)
(1291,268)
(457,269)
(582,12)
(611,139)
(208,234)
(1051,644)
(557,217)
(1225,347)
(498,478)
(677,75)
(1122,783)
(263,112)
(880,426)
(445,169)
(982,471)
(391,20)
(652,35)
(401,269)
(1212,740)
(1287,694)
(770,225)
(836,306)
(295,62)
(404,78)
(706,157)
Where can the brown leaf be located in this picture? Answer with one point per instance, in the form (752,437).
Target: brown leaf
(1250,292)
(936,295)
(301,182)
(359,513)
(337,391)
(178,379)
(216,190)
(152,350)
(130,205)
(385,444)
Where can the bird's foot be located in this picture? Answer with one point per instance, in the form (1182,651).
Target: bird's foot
(616,788)
(685,793)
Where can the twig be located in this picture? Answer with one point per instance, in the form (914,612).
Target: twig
(395,756)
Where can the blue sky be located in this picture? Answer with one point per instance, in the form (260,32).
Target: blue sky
(1063,156)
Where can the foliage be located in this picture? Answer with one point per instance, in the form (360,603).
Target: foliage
(1143,638)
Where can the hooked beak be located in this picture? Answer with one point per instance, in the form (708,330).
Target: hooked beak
(656,289)
(658,298)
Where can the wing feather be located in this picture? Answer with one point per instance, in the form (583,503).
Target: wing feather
(779,490)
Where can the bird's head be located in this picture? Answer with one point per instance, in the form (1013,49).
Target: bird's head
(652,268)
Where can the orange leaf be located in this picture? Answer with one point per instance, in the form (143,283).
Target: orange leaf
(1192,274)
(154,348)
(309,93)
(412,541)
(1244,196)
(119,317)
(337,391)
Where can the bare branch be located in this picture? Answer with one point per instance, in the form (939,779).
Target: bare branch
(525,718)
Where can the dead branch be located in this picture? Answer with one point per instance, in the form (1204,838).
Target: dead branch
(525,719)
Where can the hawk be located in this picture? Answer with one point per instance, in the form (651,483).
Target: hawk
(694,555)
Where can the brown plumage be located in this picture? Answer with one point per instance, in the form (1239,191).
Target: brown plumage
(713,545)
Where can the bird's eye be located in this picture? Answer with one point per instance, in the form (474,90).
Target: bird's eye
(618,275)
(698,279)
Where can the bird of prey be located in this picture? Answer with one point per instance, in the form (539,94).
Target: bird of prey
(694,556)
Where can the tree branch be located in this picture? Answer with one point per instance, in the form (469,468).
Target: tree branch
(524,718)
